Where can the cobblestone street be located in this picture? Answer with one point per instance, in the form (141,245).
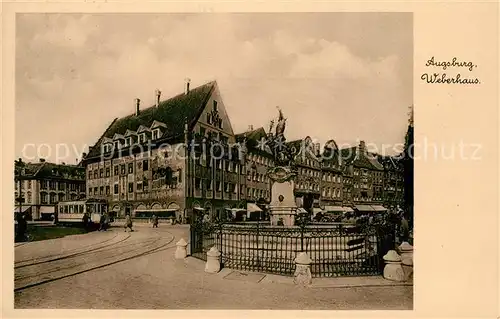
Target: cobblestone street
(158,281)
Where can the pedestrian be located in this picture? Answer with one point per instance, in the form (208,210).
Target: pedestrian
(22,225)
(85,221)
(106,221)
(155,221)
(102,222)
(405,229)
(128,223)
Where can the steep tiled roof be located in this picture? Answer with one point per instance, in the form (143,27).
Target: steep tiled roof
(253,137)
(368,160)
(51,170)
(172,112)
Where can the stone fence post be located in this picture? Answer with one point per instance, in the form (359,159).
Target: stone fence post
(213,260)
(393,270)
(302,275)
(181,251)
(406,251)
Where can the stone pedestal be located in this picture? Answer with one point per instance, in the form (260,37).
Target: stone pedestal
(407,265)
(181,251)
(302,275)
(282,208)
(213,260)
(406,251)
(393,270)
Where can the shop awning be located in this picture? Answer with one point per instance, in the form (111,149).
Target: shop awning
(347,209)
(156,210)
(47,209)
(23,209)
(333,209)
(364,208)
(251,207)
(236,209)
(317,210)
(378,208)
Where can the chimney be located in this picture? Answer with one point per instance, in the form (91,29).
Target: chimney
(186,85)
(158,96)
(250,128)
(137,105)
(317,148)
(362,147)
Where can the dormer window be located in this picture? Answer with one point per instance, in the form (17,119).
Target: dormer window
(142,138)
(117,144)
(156,134)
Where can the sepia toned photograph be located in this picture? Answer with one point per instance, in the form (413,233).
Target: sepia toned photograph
(250,161)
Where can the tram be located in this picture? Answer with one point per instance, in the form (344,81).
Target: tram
(73,211)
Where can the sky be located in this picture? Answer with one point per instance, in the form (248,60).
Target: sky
(340,76)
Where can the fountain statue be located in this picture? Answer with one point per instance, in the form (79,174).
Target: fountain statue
(282,208)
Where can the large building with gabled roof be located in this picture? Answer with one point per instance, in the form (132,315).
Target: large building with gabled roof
(259,158)
(366,191)
(40,186)
(153,159)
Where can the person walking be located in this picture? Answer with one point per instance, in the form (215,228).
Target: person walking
(155,221)
(405,229)
(85,221)
(22,226)
(128,223)
(102,222)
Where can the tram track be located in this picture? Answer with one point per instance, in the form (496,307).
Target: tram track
(61,273)
(79,251)
(55,267)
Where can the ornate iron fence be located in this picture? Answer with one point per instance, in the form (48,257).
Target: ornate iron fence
(335,250)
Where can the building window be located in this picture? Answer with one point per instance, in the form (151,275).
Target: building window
(90,191)
(101,172)
(215,106)
(108,171)
(95,190)
(145,165)
(101,190)
(122,169)
(156,134)
(145,185)
(115,169)
(130,187)
(197,183)
(90,174)
(139,186)
(219,186)
(95,174)
(115,190)
(108,190)
(130,168)
(209,185)
(202,131)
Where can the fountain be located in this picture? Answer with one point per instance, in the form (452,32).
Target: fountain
(282,208)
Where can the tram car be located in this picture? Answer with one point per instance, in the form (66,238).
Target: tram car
(68,212)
